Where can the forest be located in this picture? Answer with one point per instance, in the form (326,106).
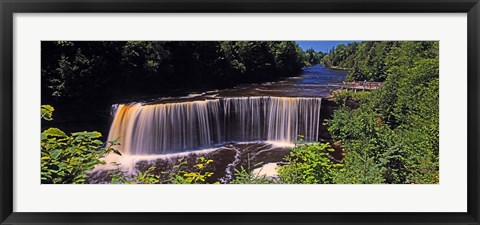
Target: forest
(389,135)
(392,136)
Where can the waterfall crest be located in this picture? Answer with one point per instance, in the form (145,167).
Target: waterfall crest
(176,127)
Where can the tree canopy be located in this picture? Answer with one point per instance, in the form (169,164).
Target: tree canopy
(393,135)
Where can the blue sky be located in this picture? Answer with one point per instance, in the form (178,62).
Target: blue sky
(323,46)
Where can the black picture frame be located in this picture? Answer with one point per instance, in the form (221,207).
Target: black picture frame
(9,7)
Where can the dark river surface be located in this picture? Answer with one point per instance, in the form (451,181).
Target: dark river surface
(314,81)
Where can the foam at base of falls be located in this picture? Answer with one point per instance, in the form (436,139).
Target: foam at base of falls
(176,127)
(226,159)
(127,163)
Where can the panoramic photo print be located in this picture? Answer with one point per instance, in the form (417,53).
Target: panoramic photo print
(240,112)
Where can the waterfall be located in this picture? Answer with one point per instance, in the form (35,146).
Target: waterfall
(175,127)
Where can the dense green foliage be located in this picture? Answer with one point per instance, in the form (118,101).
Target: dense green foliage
(309,163)
(95,68)
(394,130)
(65,159)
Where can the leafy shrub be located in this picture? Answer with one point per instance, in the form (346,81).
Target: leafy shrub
(66,159)
(309,163)
(360,166)
(348,124)
(197,175)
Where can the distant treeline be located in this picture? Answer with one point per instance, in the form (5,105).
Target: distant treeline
(370,60)
(86,69)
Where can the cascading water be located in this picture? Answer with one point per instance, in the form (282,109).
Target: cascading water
(177,127)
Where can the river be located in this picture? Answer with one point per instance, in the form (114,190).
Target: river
(250,124)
